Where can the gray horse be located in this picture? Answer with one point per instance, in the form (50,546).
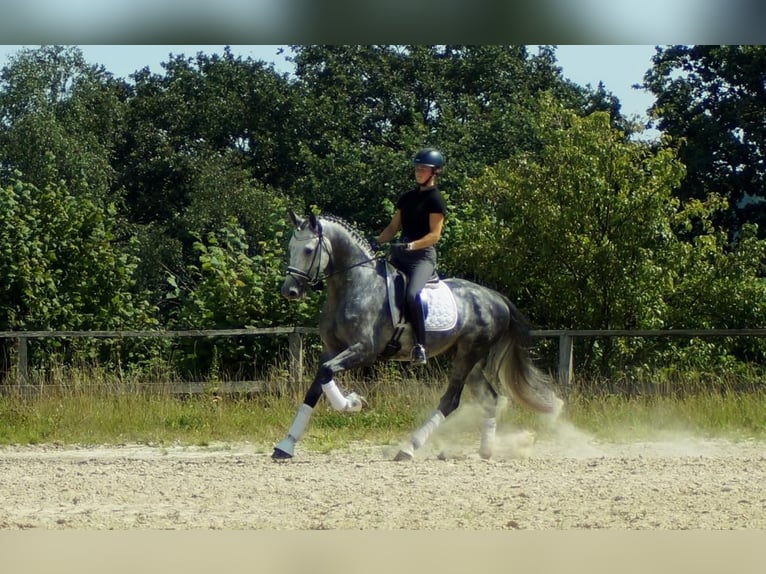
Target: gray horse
(357,325)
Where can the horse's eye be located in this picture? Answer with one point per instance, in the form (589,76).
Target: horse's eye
(308,250)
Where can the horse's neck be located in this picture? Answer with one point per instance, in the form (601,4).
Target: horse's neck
(351,264)
(347,252)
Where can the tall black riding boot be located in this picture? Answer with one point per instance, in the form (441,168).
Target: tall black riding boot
(419,330)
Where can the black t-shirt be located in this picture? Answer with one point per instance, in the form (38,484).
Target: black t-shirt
(416,206)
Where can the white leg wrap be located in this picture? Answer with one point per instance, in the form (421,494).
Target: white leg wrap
(351,404)
(420,436)
(488,429)
(300,422)
(297,430)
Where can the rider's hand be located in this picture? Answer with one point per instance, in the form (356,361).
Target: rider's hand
(374,245)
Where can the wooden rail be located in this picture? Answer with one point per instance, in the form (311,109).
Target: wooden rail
(295,341)
(294,337)
(566,339)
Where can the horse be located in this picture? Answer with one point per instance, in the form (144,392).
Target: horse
(488,337)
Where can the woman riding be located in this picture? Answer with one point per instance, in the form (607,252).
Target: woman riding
(420,217)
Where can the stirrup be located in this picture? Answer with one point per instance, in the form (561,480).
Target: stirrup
(419,355)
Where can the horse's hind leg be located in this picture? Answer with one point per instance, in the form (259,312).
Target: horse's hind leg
(450,400)
(488,398)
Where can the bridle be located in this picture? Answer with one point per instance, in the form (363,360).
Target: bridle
(303,276)
(318,277)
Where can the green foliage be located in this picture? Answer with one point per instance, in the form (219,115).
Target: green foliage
(202,110)
(66,263)
(712,99)
(585,234)
(367,109)
(234,286)
(59,264)
(160,201)
(61,269)
(61,119)
(584,222)
(206,143)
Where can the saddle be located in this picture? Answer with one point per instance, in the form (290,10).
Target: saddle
(439,308)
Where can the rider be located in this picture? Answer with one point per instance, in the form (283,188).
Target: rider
(420,217)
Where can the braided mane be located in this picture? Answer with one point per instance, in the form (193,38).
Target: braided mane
(353,231)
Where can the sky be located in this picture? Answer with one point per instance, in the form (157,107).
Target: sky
(619,67)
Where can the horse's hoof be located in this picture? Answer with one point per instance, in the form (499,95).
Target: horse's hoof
(356,403)
(279,454)
(403,455)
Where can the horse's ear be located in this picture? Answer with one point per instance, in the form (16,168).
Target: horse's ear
(294,219)
(316,227)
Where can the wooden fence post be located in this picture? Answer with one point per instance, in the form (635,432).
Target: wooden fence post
(566,371)
(21,361)
(295,367)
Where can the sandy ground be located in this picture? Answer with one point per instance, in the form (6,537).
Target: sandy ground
(565,481)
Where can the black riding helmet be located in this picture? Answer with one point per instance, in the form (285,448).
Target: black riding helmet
(430,157)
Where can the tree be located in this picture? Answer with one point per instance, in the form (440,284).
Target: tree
(574,231)
(366,110)
(67,263)
(234,285)
(207,142)
(586,233)
(61,117)
(203,109)
(713,100)
(60,268)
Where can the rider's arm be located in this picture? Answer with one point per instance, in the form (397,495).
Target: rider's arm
(436,222)
(391,229)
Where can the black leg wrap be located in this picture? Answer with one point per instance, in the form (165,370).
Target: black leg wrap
(323,376)
(313,395)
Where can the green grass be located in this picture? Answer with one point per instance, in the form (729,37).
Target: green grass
(96,411)
(735,415)
(92,407)
(162,419)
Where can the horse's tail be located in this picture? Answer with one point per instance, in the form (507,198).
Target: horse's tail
(510,360)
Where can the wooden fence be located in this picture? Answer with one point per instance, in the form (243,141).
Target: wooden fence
(294,337)
(295,342)
(566,339)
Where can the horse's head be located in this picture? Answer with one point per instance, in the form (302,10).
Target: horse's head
(310,254)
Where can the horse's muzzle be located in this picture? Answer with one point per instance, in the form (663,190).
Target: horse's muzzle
(292,289)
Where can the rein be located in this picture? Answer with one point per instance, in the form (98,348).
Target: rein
(369,260)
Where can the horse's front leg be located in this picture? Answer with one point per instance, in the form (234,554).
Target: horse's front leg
(355,355)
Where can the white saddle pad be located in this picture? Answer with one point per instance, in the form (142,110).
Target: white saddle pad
(441,310)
